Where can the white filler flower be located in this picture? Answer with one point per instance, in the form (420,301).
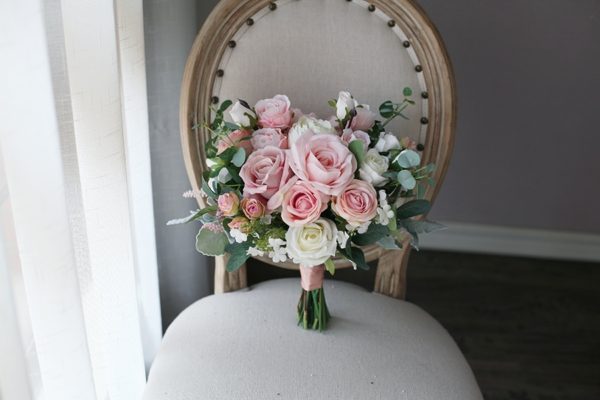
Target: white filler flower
(238,236)
(279,253)
(384,211)
(312,244)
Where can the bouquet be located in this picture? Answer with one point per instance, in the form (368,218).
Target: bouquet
(292,187)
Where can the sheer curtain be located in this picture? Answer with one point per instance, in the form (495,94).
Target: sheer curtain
(78,277)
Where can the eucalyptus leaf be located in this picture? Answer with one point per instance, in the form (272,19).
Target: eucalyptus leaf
(372,235)
(388,243)
(238,255)
(413,208)
(408,159)
(239,157)
(407,180)
(423,226)
(357,147)
(211,243)
(223,176)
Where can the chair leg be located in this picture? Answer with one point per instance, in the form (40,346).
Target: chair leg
(390,278)
(228,281)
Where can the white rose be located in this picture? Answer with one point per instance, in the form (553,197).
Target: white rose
(345,103)
(309,123)
(312,244)
(239,114)
(373,167)
(387,142)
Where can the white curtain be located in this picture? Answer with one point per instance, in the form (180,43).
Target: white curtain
(78,277)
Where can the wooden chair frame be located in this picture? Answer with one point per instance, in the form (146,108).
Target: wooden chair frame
(197,97)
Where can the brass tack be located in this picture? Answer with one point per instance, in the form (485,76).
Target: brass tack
(424,95)
(418,68)
(249,22)
(220,73)
(391,23)
(371,7)
(406,43)
(420,147)
(232,43)
(272,6)
(424,120)
(214,99)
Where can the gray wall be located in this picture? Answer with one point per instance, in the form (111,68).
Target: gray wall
(528,142)
(528,138)
(170,28)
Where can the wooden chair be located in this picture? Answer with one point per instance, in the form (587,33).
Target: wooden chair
(245,344)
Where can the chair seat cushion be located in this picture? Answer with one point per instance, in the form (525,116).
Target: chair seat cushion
(246,345)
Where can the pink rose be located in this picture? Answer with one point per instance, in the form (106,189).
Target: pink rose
(265,171)
(235,138)
(253,207)
(349,136)
(241,224)
(363,120)
(228,204)
(269,137)
(408,143)
(357,203)
(274,113)
(324,161)
(302,204)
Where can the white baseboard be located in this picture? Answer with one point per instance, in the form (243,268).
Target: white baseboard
(514,241)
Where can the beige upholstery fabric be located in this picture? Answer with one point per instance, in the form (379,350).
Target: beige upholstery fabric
(246,345)
(312,49)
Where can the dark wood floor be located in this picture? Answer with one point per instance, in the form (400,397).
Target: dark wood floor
(529,328)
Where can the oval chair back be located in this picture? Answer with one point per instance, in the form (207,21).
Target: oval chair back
(310,50)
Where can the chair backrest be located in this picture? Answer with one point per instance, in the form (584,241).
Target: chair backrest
(310,50)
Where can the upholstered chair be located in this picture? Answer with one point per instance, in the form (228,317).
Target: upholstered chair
(243,343)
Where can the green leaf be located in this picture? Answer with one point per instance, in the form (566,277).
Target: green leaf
(424,226)
(408,159)
(208,191)
(239,157)
(358,257)
(332,103)
(406,179)
(388,243)
(232,126)
(357,147)
(227,155)
(211,243)
(372,235)
(225,105)
(421,189)
(386,109)
(194,215)
(238,255)
(330,266)
(412,209)
(407,91)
